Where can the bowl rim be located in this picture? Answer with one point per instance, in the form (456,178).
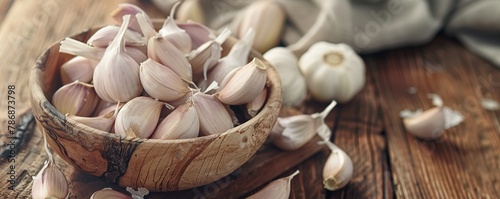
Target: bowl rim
(37,75)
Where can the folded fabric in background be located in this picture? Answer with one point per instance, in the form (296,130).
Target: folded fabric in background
(373,25)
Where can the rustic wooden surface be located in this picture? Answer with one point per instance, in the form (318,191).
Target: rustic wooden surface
(388,162)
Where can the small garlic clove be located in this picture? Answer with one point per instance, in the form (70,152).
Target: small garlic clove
(267,18)
(108,193)
(103,122)
(162,51)
(198,33)
(338,169)
(176,36)
(182,123)
(205,57)
(245,85)
(105,35)
(78,69)
(190,10)
(278,189)
(129,9)
(138,117)
(214,117)
(161,82)
(136,54)
(116,76)
(430,124)
(237,56)
(50,182)
(257,103)
(291,133)
(77,98)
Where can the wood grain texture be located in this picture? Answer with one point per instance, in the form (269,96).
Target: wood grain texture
(464,162)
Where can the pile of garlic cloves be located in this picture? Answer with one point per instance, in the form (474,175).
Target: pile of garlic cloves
(134,81)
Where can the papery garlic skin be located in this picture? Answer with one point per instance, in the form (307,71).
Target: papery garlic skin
(138,117)
(176,36)
(278,189)
(292,81)
(116,76)
(332,71)
(50,182)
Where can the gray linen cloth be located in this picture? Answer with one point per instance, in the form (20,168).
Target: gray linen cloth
(374,25)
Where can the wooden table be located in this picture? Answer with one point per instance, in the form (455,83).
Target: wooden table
(388,162)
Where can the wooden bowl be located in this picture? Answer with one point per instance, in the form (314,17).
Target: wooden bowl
(157,165)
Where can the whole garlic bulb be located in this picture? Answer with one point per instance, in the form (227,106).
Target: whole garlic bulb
(332,71)
(292,81)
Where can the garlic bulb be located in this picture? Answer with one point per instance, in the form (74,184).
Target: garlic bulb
(292,81)
(332,71)
(105,35)
(278,189)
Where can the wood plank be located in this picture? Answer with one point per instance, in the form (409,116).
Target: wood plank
(465,161)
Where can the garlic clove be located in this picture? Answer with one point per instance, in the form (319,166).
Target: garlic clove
(257,103)
(205,57)
(292,81)
(291,133)
(214,117)
(138,117)
(103,122)
(77,69)
(162,51)
(50,182)
(190,10)
(108,193)
(176,36)
(116,76)
(129,9)
(245,85)
(161,82)
(278,189)
(182,123)
(237,56)
(105,35)
(198,33)
(267,18)
(338,169)
(77,98)
(427,125)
